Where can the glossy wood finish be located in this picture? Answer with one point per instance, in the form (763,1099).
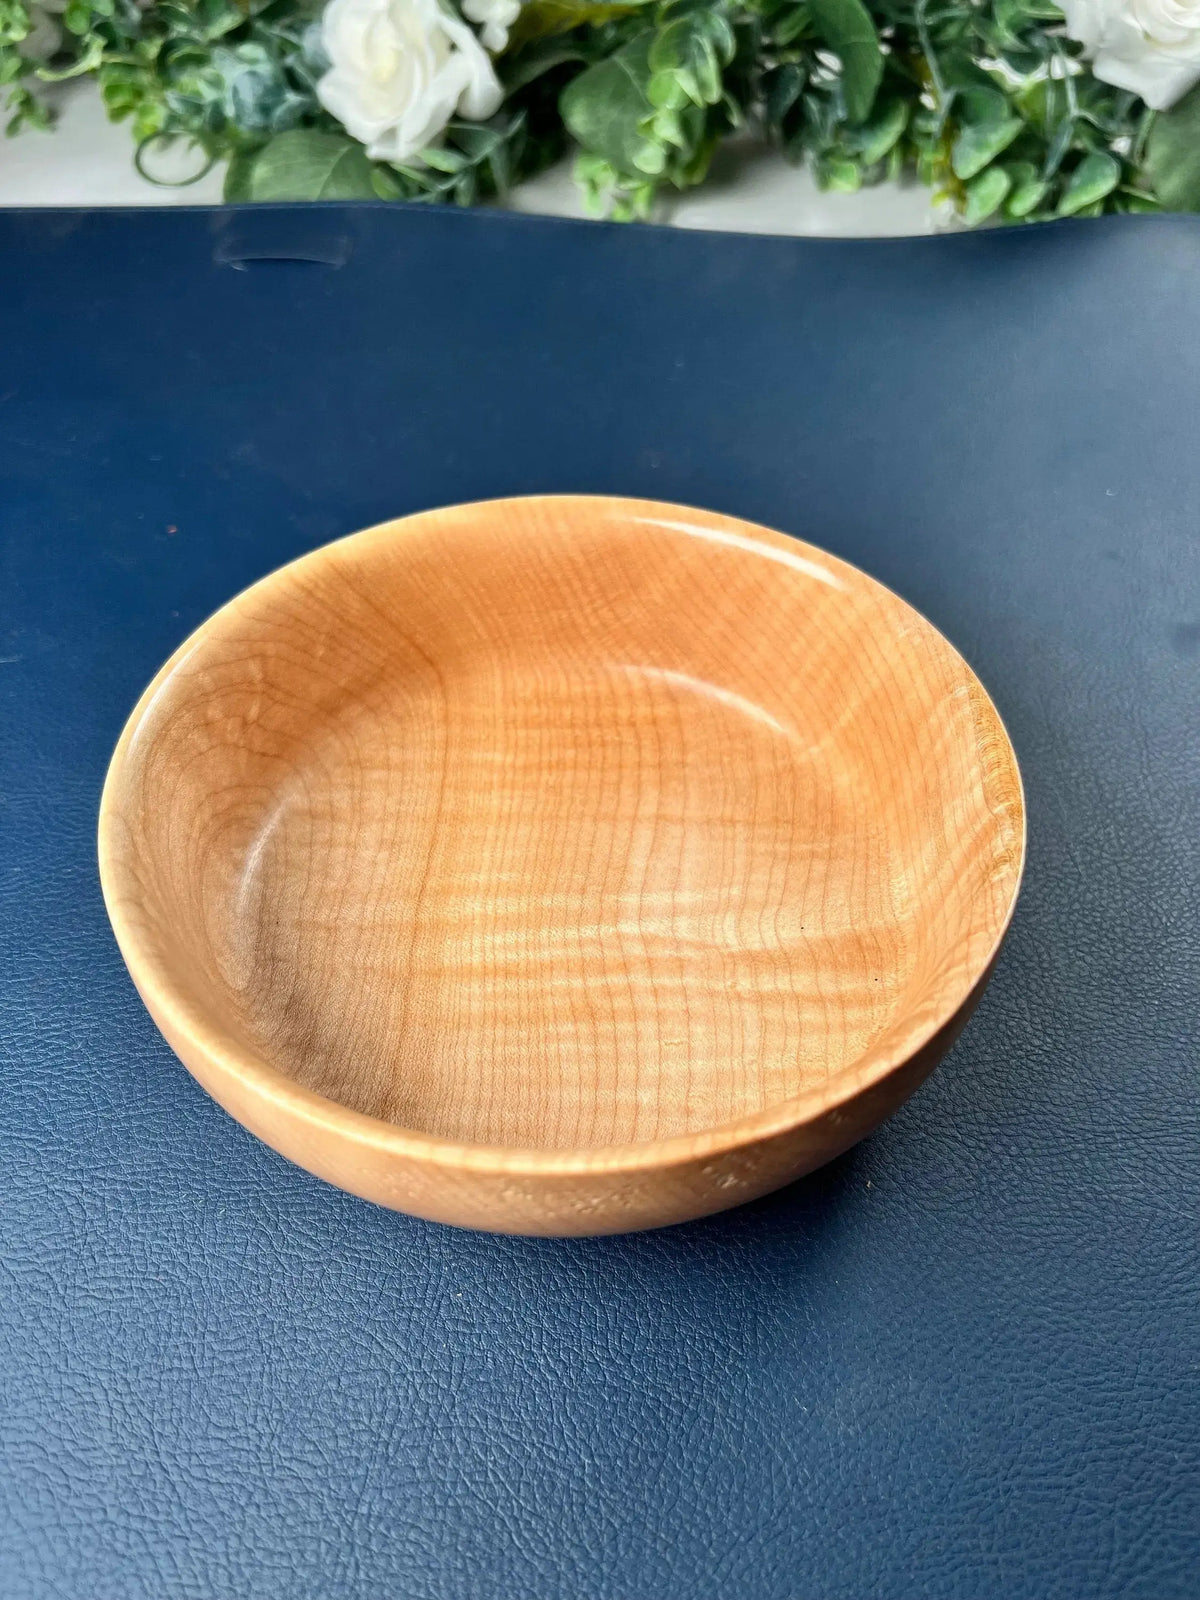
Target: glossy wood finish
(562,865)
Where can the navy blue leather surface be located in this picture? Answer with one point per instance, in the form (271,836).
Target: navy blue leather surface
(964,1360)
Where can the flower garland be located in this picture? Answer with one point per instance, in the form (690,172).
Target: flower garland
(1008,109)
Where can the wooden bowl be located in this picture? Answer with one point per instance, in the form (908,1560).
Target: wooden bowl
(562,865)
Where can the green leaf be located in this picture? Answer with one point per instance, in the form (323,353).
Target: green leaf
(1096,176)
(303,164)
(385,183)
(667,128)
(1023,61)
(212,19)
(787,26)
(27,112)
(986,195)
(77,17)
(15,22)
(1045,104)
(686,58)
(606,104)
(988,128)
(668,92)
(975,147)
(960,70)
(651,160)
(872,142)
(1172,161)
(838,175)
(783,88)
(149,118)
(87,62)
(444,160)
(1011,18)
(256,96)
(526,66)
(1027,192)
(846,27)
(1056,150)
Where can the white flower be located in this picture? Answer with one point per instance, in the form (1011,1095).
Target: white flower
(1151,47)
(400,70)
(496,17)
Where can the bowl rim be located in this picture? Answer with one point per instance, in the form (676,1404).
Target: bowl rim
(231,1059)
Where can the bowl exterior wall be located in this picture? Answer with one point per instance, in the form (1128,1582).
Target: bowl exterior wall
(573,1204)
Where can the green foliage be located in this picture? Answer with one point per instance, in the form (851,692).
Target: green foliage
(986,101)
(846,27)
(15,22)
(476,160)
(1096,176)
(654,108)
(24,111)
(605,107)
(302,164)
(1003,119)
(986,129)
(1173,155)
(986,194)
(1028,190)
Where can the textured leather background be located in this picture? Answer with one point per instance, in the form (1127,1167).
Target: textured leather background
(962,1361)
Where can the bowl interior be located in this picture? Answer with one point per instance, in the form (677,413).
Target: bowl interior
(565,823)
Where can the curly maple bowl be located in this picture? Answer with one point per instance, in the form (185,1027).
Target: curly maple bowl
(562,865)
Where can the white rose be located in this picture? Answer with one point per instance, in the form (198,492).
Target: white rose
(400,70)
(496,18)
(1151,47)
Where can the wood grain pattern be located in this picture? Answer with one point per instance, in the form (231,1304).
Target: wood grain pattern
(562,865)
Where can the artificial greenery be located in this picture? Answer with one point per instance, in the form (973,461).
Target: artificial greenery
(988,103)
